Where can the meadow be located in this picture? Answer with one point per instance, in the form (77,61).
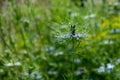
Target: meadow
(60,40)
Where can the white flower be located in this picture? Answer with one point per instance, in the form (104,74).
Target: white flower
(9,64)
(13,64)
(17,64)
(118,61)
(110,66)
(108,42)
(90,16)
(59,53)
(86,17)
(116,3)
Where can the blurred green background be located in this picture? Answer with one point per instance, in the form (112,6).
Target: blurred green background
(59,39)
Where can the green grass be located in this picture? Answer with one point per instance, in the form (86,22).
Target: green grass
(38,43)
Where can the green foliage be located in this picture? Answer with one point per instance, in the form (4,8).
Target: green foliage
(59,40)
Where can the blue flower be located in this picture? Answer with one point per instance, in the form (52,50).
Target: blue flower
(77,60)
(52,72)
(101,69)
(115,31)
(78,73)
(64,36)
(108,70)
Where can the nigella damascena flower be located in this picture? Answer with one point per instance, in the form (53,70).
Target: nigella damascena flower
(59,53)
(68,36)
(76,60)
(80,71)
(90,16)
(64,36)
(110,66)
(9,64)
(52,72)
(13,64)
(108,42)
(35,76)
(17,64)
(72,35)
(115,31)
(101,69)
(108,70)
(50,49)
(118,61)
